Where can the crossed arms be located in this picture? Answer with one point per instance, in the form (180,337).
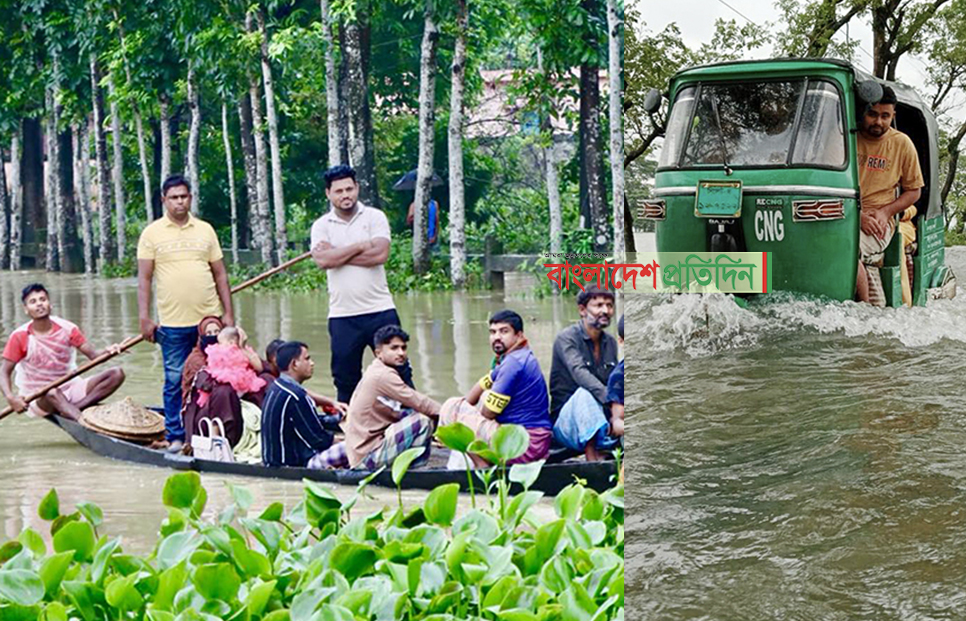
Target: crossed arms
(362,254)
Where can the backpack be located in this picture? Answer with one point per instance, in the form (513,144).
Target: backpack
(208,445)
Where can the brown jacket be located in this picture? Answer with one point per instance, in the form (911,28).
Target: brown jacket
(377,403)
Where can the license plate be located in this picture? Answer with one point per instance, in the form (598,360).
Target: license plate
(718,199)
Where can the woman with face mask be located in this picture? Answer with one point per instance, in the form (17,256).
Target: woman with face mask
(208,331)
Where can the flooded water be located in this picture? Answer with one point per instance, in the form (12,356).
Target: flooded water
(796,460)
(449,350)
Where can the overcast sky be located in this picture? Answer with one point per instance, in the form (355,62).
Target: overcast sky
(695,19)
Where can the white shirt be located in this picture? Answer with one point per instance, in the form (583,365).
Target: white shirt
(355,290)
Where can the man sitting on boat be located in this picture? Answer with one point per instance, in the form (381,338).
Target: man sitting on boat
(512,392)
(386,416)
(292,430)
(270,373)
(42,351)
(888,165)
(584,356)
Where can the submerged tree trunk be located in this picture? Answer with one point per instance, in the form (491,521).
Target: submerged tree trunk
(82,188)
(231,183)
(334,139)
(593,158)
(615,25)
(360,115)
(117,172)
(194,136)
(105,244)
(251,169)
(4,216)
(457,220)
(165,137)
(553,198)
(16,201)
(71,255)
(281,235)
(344,98)
(427,115)
(138,127)
(55,237)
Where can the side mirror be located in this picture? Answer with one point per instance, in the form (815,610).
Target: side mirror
(869,91)
(652,101)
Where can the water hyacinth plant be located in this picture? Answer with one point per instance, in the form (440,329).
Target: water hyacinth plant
(319,562)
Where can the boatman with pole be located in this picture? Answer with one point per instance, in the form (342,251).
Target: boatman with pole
(42,351)
(183,252)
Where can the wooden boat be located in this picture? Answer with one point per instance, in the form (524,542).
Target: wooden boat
(553,478)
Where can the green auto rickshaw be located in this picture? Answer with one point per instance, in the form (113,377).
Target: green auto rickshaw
(760,156)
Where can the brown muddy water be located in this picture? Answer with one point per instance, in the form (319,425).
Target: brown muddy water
(449,350)
(796,460)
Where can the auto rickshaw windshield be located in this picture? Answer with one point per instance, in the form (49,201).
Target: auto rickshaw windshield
(756,125)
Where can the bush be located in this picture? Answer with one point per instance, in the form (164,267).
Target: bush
(320,562)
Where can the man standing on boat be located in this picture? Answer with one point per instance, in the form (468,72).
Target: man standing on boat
(888,165)
(192,283)
(584,356)
(42,351)
(515,391)
(351,241)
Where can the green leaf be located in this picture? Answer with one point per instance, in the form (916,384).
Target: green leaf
(53,568)
(456,436)
(569,501)
(267,533)
(401,464)
(49,508)
(122,594)
(277,615)
(32,540)
(175,548)
(241,495)
(353,560)
(272,512)
(181,490)
(198,506)
(510,442)
(101,558)
(258,597)
(160,615)
(21,586)
(10,550)
(81,595)
(169,583)
(307,602)
(76,536)
(62,521)
(547,538)
(440,505)
(216,581)
(481,448)
(526,474)
(54,611)
(517,614)
(91,512)
(484,527)
(252,563)
(556,575)
(522,502)
(577,604)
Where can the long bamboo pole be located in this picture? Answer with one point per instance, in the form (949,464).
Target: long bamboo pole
(134,340)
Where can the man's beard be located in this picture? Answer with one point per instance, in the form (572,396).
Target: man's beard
(600,321)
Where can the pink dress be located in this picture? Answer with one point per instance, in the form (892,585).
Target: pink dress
(229,365)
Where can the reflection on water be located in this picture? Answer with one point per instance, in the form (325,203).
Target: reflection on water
(796,459)
(449,350)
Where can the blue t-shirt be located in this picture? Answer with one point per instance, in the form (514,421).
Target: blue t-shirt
(431,225)
(615,385)
(519,392)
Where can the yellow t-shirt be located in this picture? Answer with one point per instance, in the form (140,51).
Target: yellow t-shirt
(184,285)
(886,164)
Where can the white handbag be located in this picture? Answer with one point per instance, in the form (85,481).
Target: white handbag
(211,444)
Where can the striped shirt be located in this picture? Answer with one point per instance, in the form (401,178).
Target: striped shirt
(291,429)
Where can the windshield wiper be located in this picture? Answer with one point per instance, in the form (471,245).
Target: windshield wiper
(724,146)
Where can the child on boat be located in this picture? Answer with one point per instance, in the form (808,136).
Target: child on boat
(232,361)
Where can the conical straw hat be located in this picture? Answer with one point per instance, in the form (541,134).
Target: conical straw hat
(123,418)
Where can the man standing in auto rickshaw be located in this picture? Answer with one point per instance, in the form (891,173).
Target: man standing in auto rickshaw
(887,162)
